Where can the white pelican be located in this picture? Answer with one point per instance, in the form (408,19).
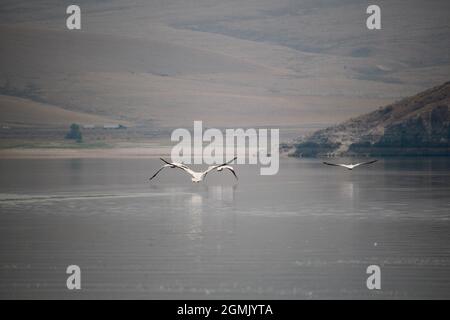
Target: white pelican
(350,166)
(196,175)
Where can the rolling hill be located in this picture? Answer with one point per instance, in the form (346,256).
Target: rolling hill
(418,125)
(226,62)
(23,112)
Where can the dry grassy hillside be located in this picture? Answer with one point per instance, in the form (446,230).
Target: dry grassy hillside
(415,125)
(23,112)
(304,64)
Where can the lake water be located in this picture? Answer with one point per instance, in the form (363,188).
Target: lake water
(308,232)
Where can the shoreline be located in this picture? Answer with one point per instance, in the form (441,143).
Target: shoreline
(154,152)
(61,153)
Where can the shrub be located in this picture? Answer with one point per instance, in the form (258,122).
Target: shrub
(74,133)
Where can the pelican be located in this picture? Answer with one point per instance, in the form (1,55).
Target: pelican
(197,176)
(349,166)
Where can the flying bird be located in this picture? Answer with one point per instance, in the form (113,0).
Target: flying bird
(197,176)
(349,166)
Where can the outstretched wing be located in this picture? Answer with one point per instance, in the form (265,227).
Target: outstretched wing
(368,162)
(173,165)
(164,166)
(232,170)
(218,166)
(167,162)
(228,162)
(225,164)
(332,164)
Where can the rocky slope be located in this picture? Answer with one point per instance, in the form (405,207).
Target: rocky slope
(418,125)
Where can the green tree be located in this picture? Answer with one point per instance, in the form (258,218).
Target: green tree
(74,133)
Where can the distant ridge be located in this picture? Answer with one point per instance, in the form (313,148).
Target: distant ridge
(417,125)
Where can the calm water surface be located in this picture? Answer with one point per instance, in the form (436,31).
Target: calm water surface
(309,232)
